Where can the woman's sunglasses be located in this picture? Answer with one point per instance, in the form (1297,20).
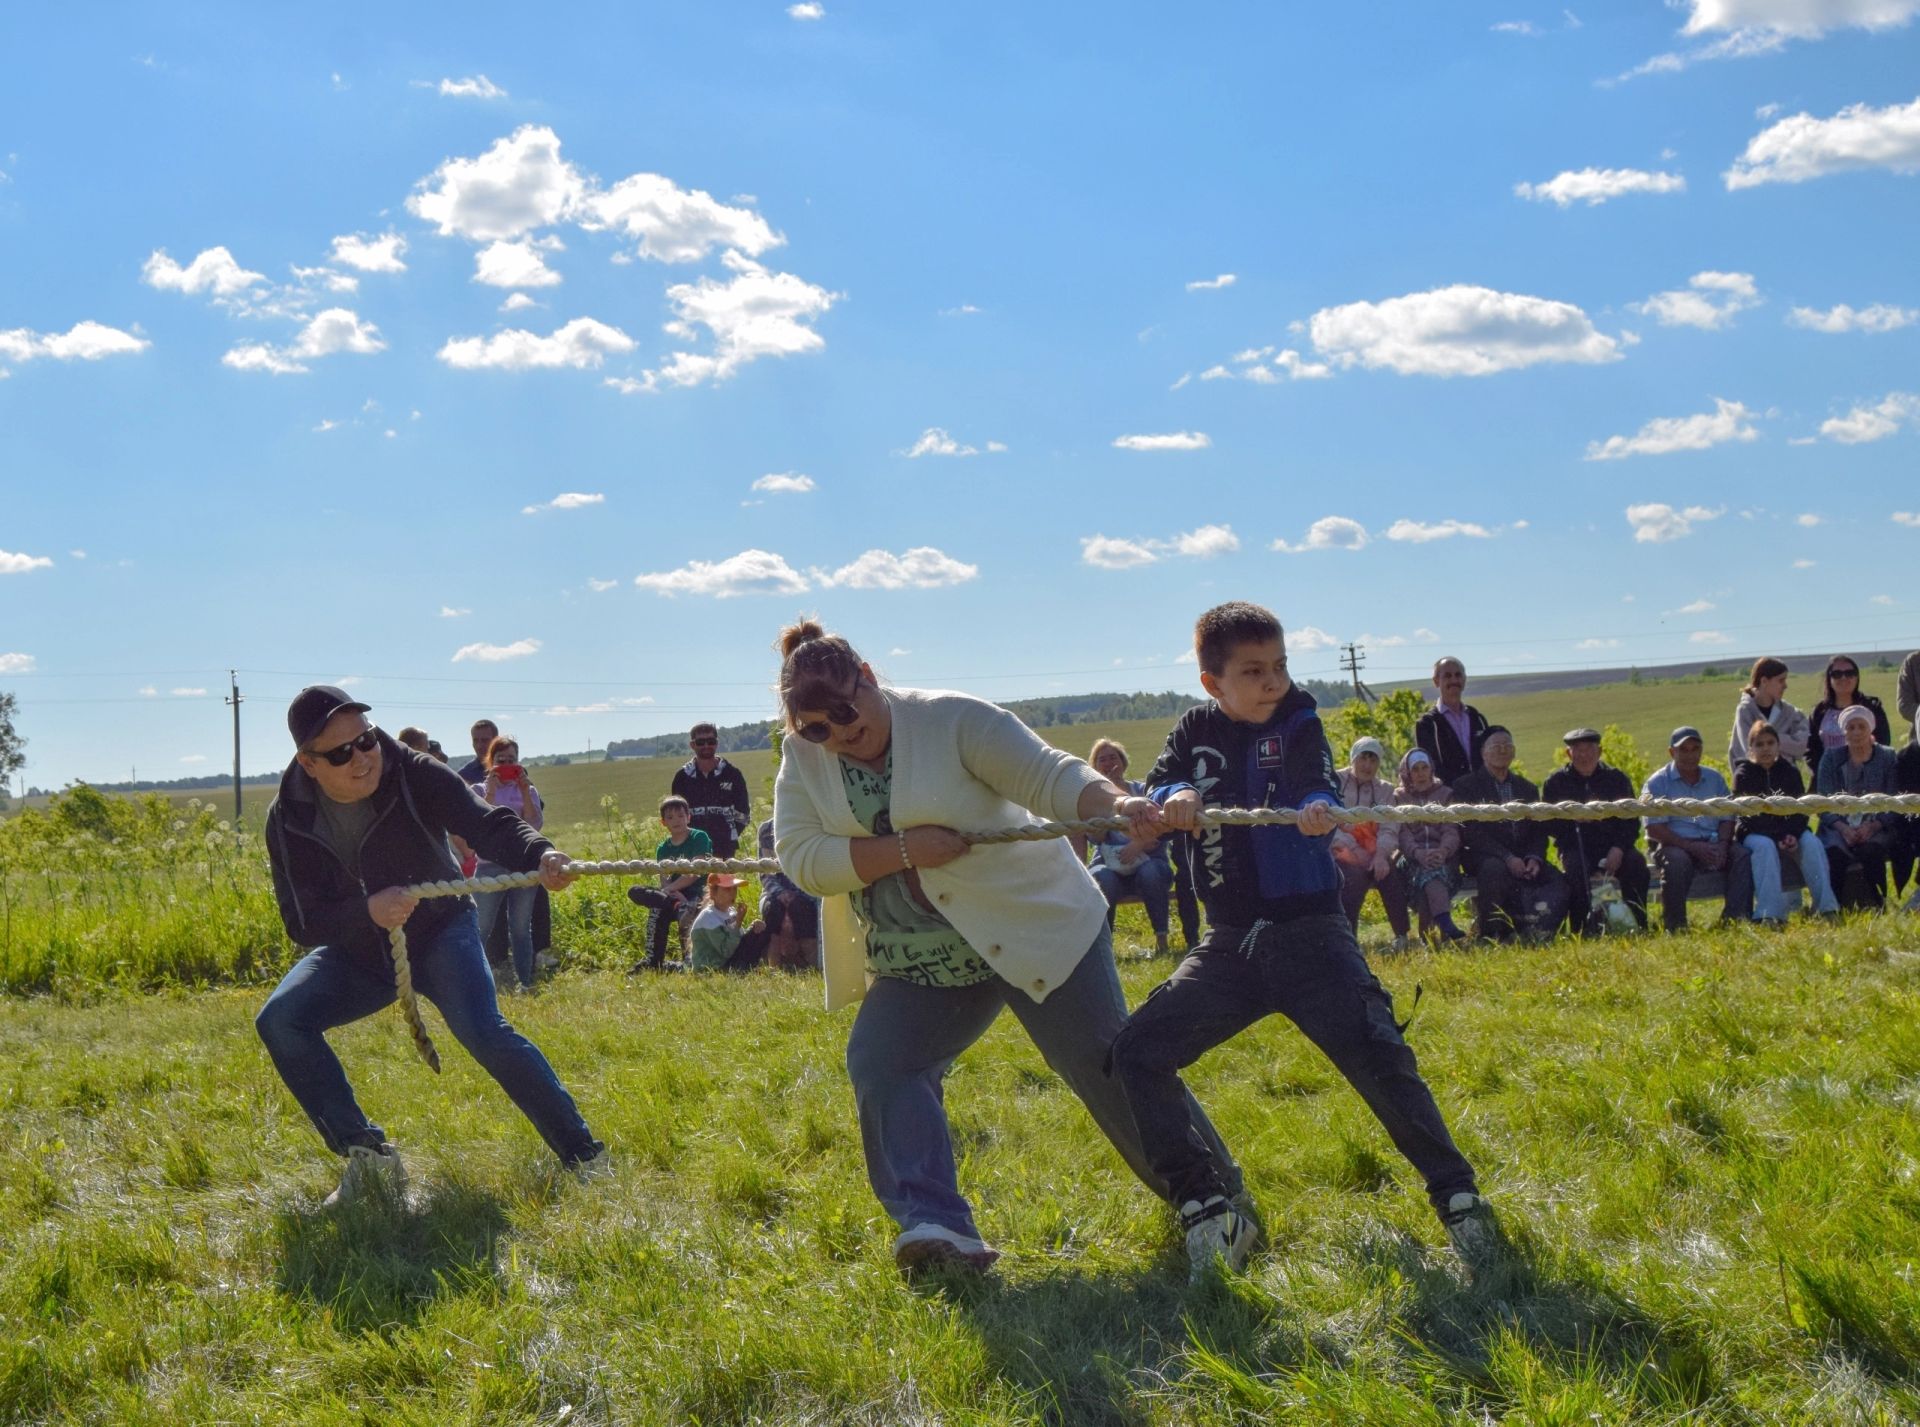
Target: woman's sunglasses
(1844,673)
(839,715)
(364,742)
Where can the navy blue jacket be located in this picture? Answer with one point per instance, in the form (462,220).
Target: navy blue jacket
(1246,874)
(419,801)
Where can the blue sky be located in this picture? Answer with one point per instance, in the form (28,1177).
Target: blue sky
(443,350)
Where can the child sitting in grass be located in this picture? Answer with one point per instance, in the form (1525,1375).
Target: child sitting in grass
(677,898)
(1277,941)
(720,943)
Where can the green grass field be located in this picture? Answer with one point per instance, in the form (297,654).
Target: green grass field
(1705,1148)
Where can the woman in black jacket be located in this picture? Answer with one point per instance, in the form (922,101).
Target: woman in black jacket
(1770,837)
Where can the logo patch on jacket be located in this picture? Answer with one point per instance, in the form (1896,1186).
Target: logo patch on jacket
(1269,752)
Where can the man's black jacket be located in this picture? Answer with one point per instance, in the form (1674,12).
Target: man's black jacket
(1508,839)
(1451,762)
(1583,844)
(419,801)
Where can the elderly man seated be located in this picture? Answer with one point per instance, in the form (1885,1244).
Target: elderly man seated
(1508,860)
(1603,846)
(1685,846)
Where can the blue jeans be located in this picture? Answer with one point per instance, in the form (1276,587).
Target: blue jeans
(519,903)
(907,1035)
(1770,900)
(1151,882)
(329,988)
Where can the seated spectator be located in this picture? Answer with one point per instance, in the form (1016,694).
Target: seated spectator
(1770,838)
(1427,851)
(1765,698)
(1452,731)
(1364,865)
(1842,692)
(1906,695)
(676,901)
(1603,847)
(792,917)
(506,785)
(1508,860)
(1125,866)
(1858,843)
(1686,845)
(1906,774)
(719,942)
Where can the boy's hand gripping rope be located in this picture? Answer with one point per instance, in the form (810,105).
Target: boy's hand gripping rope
(1906,803)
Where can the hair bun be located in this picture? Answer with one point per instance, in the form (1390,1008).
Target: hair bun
(801,632)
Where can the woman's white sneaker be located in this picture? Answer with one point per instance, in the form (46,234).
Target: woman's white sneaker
(1217,1233)
(371,1169)
(934,1245)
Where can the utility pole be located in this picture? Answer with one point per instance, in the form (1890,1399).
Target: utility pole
(234,701)
(1352,656)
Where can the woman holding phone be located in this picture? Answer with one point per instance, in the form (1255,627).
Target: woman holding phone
(507,786)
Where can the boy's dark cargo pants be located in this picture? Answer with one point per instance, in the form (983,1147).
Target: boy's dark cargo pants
(1309,970)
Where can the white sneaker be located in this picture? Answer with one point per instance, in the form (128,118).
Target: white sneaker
(1217,1233)
(598,1166)
(370,1170)
(934,1245)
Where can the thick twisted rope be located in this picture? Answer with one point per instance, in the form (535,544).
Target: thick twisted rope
(1904,803)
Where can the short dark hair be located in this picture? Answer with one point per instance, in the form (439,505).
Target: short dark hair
(414,738)
(674,800)
(481,723)
(700,728)
(1217,632)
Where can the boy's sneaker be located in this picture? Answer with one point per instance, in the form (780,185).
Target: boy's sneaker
(598,1165)
(1474,1232)
(1399,944)
(371,1169)
(1216,1233)
(935,1246)
(545,961)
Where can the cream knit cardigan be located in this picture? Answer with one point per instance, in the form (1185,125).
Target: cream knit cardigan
(1030,908)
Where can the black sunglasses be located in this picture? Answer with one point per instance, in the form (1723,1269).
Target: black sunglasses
(839,715)
(364,742)
(705,742)
(1844,673)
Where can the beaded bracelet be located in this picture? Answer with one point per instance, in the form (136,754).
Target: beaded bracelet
(906,861)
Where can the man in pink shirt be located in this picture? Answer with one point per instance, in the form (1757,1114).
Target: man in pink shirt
(1453,731)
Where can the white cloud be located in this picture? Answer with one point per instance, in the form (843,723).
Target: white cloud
(518,263)
(187,693)
(194,758)
(1728,421)
(1107,553)
(1589,644)
(751,572)
(1213,284)
(1266,366)
(1594,186)
(674,224)
(78,554)
(581,343)
(1515,27)
(1659,523)
(83,342)
(287,302)
(754,314)
(13,564)
(1708,636)
(1459,331)
(1309,638)
(1709,301)
(1804,564)
(1880,599)
(1330,532)
(785,483)
(1801,19)
(1908,518)
(1880,317)
(474,86)
(600,587)
(1202,543)
(327,423)
(1801,147)
(335,330)
(567,500)
(965,309)
(370,255)
(212,271)
(921,568)
(1808,519)
(516,301)
(1166,441)
(1697,607)
(935,441)
(16,663)
(601,707)
(1185,377)
(1875,422)
(495,653)
(448,611)
(519,184)
(807,10)
(1419,532)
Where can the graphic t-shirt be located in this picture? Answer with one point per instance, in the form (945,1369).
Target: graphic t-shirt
(906,937)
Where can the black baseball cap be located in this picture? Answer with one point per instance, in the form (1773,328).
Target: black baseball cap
(313,706)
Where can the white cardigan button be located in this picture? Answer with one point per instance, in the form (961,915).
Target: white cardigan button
(1039,983)
(993,951)
(943,898)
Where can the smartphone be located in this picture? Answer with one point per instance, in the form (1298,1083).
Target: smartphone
(508,772)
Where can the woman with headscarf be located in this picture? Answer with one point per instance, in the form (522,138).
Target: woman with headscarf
(1428,851)
(1365,864)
